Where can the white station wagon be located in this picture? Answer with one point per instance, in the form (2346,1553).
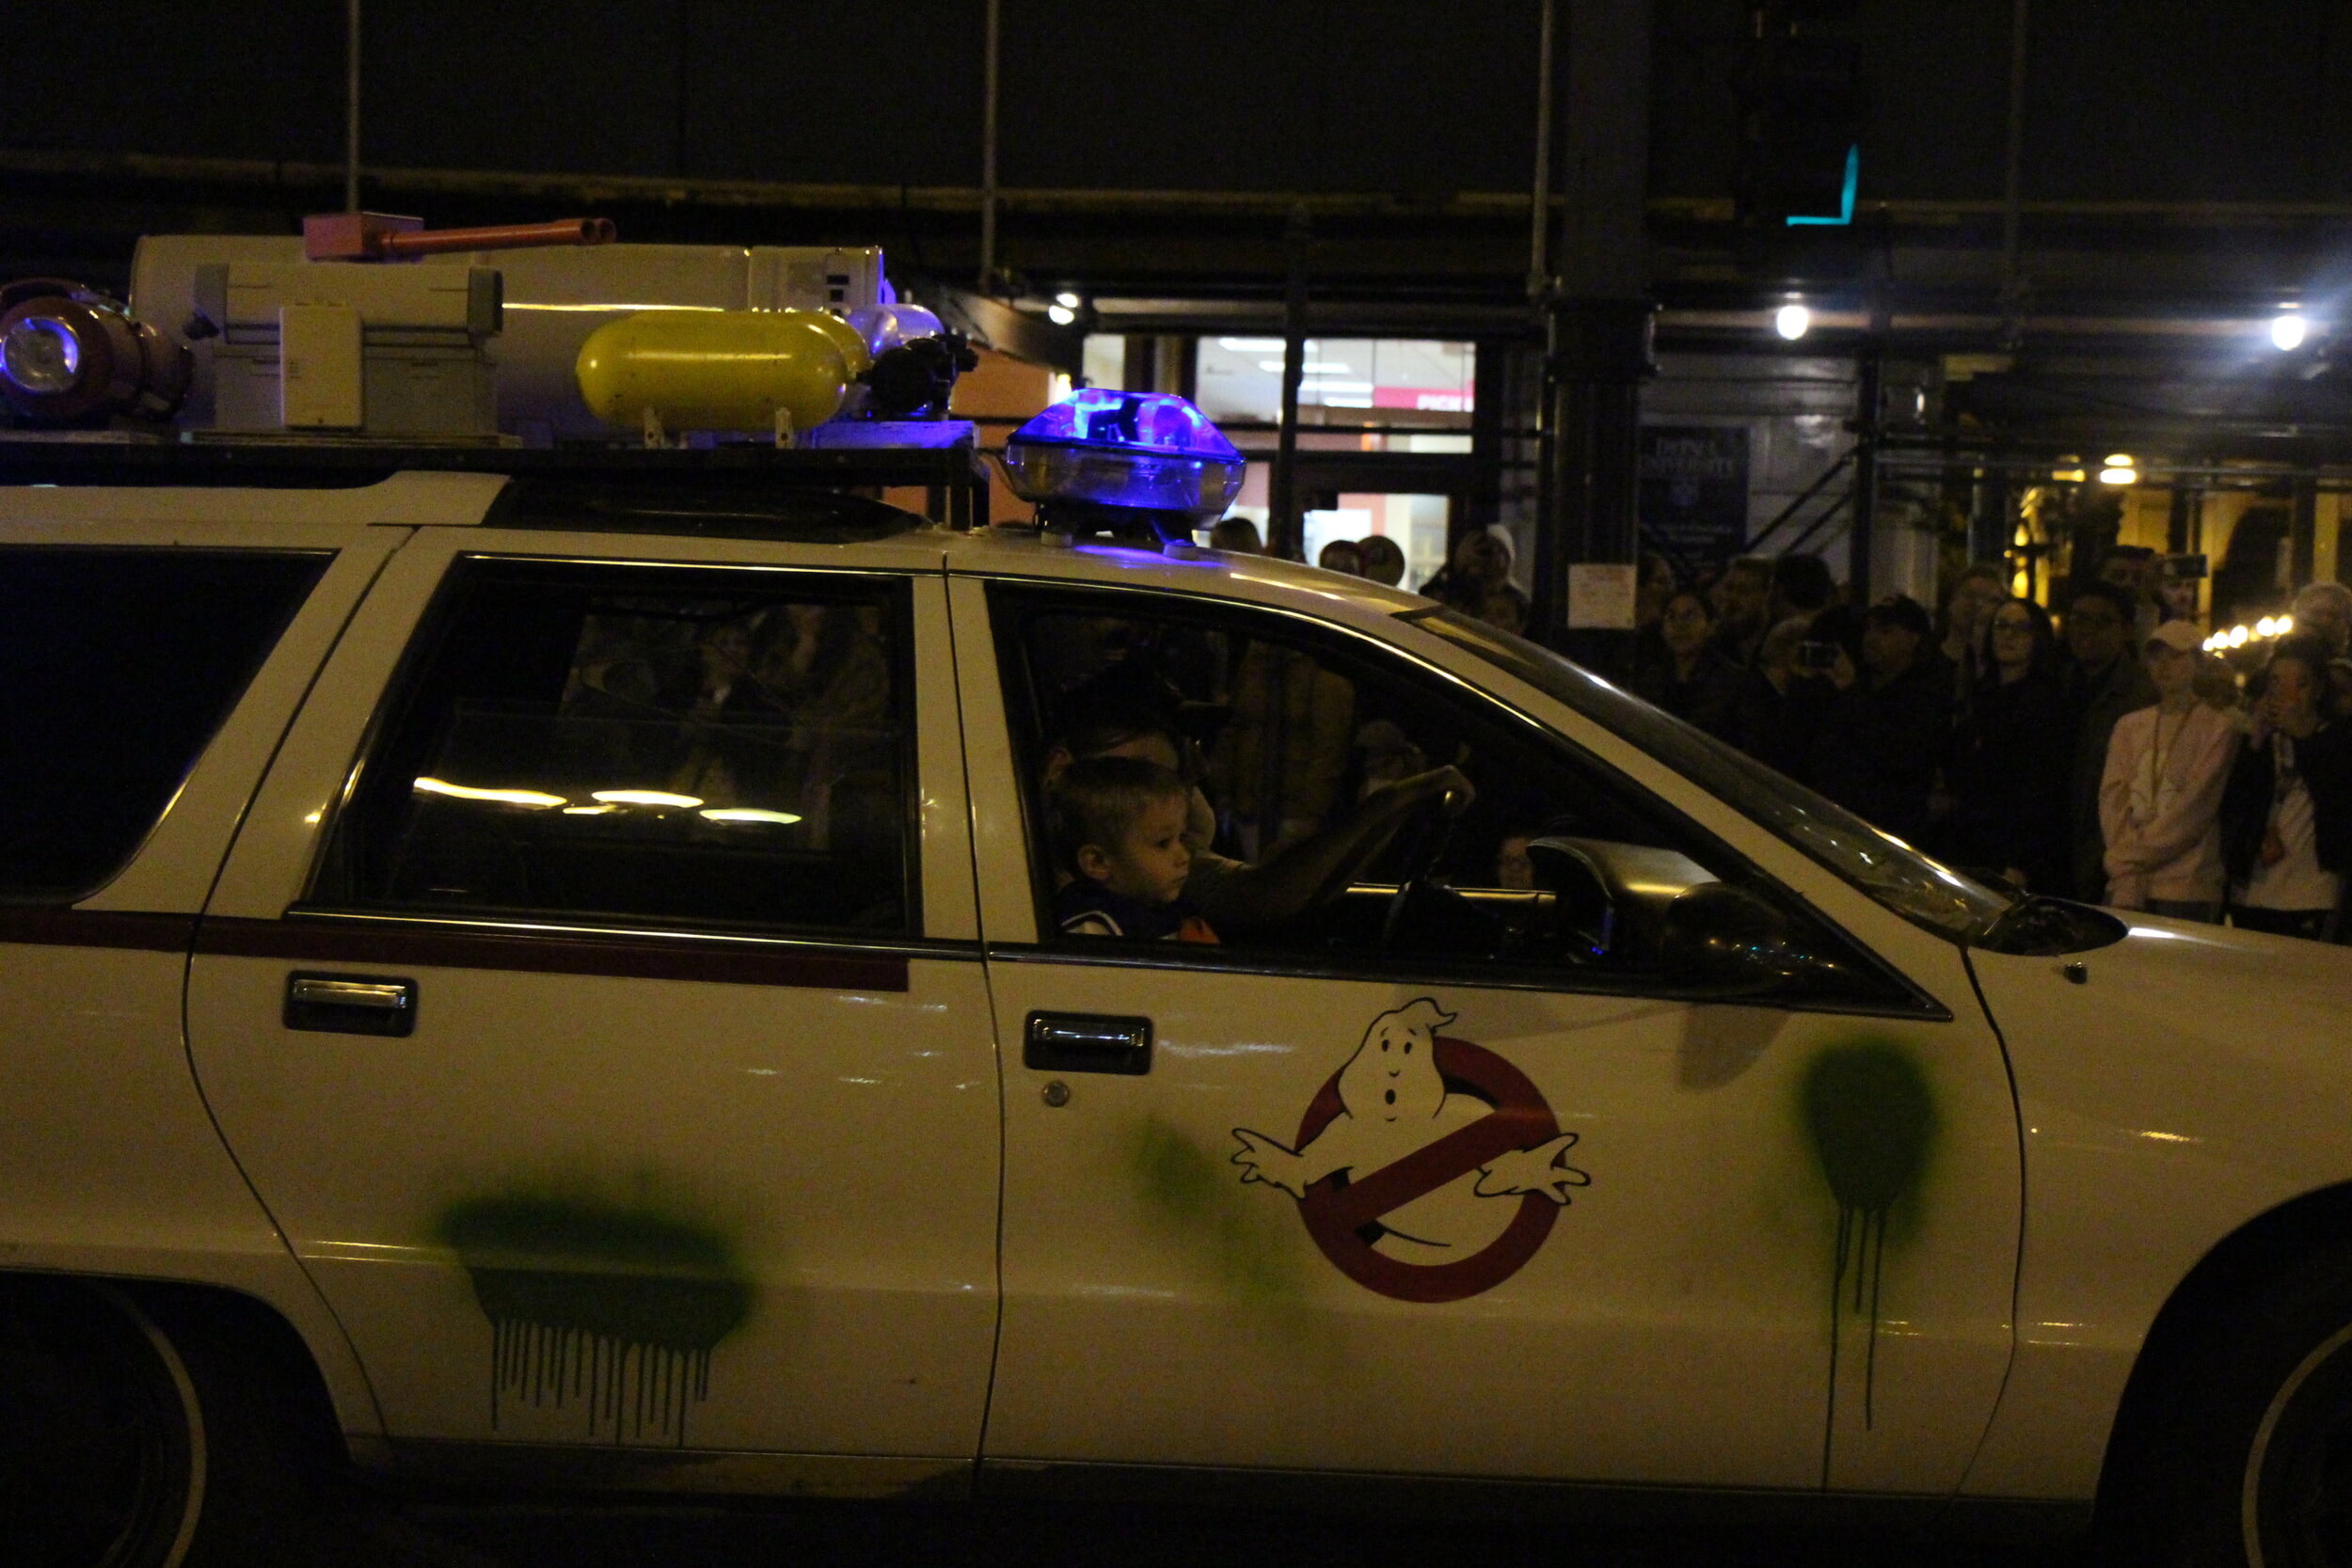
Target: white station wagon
(549,977)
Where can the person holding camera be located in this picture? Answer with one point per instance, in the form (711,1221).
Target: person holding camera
(2005,767)
(1770,721)
(1876,749)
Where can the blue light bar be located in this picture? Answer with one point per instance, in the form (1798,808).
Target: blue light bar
(1153,451)
(1845,206)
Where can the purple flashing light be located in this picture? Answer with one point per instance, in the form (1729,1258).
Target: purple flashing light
(1152,450)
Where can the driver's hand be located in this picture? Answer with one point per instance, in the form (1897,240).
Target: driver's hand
(1450,781)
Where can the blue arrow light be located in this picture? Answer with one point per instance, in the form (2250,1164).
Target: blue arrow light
(1845,206)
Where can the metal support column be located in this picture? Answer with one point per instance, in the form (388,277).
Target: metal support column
(2178,526)
(1600,315)
(1866,479)
(2303,533)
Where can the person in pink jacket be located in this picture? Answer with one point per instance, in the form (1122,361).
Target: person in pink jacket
(2160,797)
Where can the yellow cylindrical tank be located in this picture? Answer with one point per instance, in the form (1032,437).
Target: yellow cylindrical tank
(847,338)
(717,369)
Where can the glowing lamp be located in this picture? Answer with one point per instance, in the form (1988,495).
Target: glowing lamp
(1792,322)
(69,354)
(1151,451)
(2286,331)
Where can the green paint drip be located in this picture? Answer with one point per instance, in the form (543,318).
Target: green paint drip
(1871,1117)
(1194,1195)
(616,1305)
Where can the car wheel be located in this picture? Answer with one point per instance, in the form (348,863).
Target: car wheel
(103,1454)
(2252,1462)
(2295,1494)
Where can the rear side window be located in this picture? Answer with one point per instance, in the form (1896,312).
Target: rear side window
(720,748)
(116,666)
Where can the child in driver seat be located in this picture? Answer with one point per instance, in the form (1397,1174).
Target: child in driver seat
(1119,836)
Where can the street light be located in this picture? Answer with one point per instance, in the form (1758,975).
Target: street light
(2287,329)
(1792,322)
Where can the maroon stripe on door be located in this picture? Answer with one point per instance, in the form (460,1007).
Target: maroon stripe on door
(152,933)
(623,958)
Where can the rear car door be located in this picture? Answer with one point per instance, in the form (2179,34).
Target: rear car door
(592,998)
(155,645)
(1626,1243)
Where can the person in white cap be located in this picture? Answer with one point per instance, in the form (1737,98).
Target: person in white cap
(2160,798)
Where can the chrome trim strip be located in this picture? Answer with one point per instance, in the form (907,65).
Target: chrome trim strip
(945,948)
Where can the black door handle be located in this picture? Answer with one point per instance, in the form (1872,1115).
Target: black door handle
(351,1003)
(1087,1042)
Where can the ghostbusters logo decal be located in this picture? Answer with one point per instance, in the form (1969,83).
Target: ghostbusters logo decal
(1426,1169)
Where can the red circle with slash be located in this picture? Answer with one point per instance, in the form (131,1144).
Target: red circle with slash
(1344,1216)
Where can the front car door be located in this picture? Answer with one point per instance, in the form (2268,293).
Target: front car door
(1477,1189)
(602,1022)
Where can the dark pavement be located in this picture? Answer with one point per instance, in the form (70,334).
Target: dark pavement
(386,1534)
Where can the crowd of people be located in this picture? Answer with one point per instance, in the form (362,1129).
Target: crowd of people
(2104,755)
(2101,755)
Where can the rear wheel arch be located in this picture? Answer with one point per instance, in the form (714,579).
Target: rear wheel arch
(220,1432)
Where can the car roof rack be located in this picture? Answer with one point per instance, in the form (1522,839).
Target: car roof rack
(727,489)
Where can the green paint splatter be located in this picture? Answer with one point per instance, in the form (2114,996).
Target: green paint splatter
(1197,1200)
(618,1304)
(1871,1117)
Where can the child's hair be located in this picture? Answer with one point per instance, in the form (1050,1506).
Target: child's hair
(1098,798)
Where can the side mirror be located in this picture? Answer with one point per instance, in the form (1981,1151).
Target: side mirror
(1725,939)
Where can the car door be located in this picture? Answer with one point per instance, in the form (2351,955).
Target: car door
(1470,1186)
(592,1000)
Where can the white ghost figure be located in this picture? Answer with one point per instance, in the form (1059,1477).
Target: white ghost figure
(1393,1101)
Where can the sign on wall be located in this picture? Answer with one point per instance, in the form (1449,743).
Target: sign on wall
(1695,491)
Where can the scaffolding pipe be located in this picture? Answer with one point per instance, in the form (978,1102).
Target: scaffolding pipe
(1539,216)
(351,109)
(2012,179)
(987,149)
(1283,534)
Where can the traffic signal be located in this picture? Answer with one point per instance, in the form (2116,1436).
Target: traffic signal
(1801,108)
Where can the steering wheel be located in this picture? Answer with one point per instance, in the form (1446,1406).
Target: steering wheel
(1432,830)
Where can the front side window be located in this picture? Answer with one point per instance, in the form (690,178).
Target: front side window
(1343,805)
(121,664)
(700,748)
(1881,866)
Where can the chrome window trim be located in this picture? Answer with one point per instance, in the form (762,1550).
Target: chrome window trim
(405,668)
(905,947)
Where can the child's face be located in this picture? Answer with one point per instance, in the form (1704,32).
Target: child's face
(1150,864)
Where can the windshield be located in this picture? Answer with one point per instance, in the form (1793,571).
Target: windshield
(1880,865)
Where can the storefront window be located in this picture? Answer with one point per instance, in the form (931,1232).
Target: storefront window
(1347,381)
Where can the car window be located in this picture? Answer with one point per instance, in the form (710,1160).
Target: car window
(121,664)
(1919,888)
(705,747)
(1288,740)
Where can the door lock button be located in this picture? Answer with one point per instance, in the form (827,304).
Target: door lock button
(1056,1093)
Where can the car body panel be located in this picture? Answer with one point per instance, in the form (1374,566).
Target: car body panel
(825,1113)
(1675,1330)
(109,1161)
(2192,1080)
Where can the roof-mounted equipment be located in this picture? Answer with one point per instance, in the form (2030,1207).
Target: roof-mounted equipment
(1124,462)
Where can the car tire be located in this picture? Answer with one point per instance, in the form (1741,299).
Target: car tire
(2245,1458)
(103,1452)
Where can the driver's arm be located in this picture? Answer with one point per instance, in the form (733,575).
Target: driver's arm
(1303,872)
